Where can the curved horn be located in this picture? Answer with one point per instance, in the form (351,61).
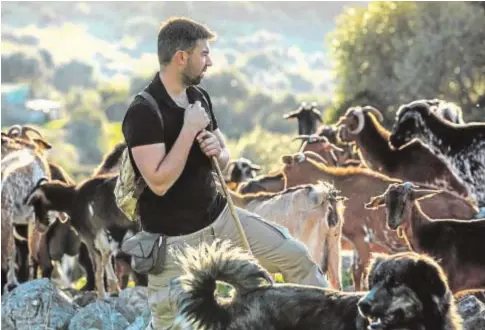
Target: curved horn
(360,119)
(26,129)
(14,131)
(301,137)
(41,181)
(375,112)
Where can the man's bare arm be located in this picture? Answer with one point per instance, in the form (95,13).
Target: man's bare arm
(161,170)
(148,157)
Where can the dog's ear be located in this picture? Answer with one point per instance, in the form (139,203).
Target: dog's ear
(375,262)
(432,277)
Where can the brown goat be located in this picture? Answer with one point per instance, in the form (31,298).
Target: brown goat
(272,182)
(453,243)
(365,229)
(414,162)
(313,214)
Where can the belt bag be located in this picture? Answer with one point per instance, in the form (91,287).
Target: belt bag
(148,251)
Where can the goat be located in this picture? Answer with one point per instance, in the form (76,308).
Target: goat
(308,117)
(22,167)
(313,214)
(349,149)
(460,146)
(413,163)
(453,243)
(58,233)
(320,145)
(272,182)
(364,228)
(240,170)
(93,213)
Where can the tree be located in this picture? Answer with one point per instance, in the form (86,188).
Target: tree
(395,52)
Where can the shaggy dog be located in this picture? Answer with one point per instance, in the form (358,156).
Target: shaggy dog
(408,292)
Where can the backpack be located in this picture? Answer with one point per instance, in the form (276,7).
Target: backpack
(128,189)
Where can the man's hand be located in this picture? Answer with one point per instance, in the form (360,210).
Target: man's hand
(209,143)
(196,118)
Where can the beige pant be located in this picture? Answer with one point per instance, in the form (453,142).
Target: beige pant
(270,243)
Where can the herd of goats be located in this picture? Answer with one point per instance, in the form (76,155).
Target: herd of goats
(354,185)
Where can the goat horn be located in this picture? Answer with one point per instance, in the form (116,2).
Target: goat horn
(301,137)
(375,112)
(360,119)
(26,129)
(14,131)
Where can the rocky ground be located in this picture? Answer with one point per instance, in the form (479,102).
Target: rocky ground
(40,304)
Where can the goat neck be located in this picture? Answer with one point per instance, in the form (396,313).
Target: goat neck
(373,144)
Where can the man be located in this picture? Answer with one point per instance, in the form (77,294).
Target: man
(182,201)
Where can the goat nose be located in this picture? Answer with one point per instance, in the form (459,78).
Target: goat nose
(364,306)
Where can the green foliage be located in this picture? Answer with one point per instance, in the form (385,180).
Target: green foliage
(88,131)
(394,52)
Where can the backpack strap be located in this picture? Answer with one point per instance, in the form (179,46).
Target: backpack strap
(153,104)
(154,107)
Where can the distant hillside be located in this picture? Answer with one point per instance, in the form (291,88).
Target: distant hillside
(276,45)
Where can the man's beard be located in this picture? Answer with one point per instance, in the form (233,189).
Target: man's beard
(188,80)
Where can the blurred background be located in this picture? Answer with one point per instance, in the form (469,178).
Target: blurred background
(71,68)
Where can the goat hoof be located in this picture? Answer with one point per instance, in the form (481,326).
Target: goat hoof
(10,287)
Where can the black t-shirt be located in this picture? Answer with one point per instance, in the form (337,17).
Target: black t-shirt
(193,201)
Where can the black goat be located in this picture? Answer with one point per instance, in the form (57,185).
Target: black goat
(93,213)
(460,146)
(414,162)
(240,170)
(308,117)
(453,243)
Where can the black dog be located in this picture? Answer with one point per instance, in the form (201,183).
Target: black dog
(408,292)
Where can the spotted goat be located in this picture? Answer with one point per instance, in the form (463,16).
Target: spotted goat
(460,146)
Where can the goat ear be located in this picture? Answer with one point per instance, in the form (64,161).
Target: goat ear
(255,167)
(376,202)
(43,145)
(292,114)
(287,159)
(419,194)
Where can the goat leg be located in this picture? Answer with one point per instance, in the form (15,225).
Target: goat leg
(12,282)
(86,262)
(98,268)
(111,275)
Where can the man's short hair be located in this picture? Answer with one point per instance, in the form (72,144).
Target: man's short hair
(180,33)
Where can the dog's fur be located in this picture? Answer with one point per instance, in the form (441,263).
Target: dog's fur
(409,291)
(419,294)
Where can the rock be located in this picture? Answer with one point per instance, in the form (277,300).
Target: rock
(472,311)
(141,322)
(132,302)
(37,304)
(99,315)
(469,306)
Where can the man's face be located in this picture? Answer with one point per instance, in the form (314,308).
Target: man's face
(197,63)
